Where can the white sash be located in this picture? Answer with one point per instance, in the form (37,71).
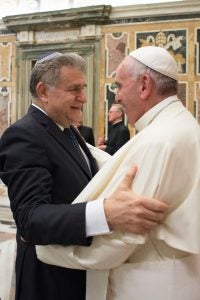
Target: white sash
(97,284)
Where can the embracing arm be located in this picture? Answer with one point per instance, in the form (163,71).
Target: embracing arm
(109,251)
(26,155)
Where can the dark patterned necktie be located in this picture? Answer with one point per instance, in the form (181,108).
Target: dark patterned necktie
(76,148)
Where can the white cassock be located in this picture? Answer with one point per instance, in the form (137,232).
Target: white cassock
(166,264)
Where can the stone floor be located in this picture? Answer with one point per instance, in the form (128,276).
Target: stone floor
(7,250)
(7,225)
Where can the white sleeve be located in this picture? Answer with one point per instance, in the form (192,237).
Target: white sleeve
(96,223)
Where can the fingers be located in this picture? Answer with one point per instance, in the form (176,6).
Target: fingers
(147,227)
(156,217)
(127,212)
(129,177)
(139,226)
(138,219)
(150,209)
(155,205)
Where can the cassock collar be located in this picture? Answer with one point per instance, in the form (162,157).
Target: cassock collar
(152,113)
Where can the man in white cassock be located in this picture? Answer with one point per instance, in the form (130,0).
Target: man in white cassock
(164,264)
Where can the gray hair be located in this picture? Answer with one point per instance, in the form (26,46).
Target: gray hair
(163,84)
(48,70)
(119,108)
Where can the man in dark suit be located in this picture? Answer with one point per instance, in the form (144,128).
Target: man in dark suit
(44,174)
(87,134)
(118,133)
(85,131)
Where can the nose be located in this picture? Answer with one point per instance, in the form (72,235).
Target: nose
(82,97)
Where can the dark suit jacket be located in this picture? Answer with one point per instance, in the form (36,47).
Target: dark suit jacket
(118,135)
(87,134)
(44,176)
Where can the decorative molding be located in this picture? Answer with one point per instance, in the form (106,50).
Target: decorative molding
(90,31)
(55,36)
(2,25)
(6,32)
(24,37)
(140,12)
(75,17)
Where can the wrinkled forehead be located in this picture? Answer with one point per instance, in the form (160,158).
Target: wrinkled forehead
(124,67)
(123,74)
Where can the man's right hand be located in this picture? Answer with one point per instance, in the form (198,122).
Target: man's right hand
(127,212)
(101,141)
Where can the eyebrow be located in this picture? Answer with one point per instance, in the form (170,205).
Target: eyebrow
(77,86)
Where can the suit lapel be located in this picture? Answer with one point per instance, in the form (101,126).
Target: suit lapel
(57,134)
(82,143)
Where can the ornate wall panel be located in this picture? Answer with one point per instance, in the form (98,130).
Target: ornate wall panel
(172,40)
(7,80)
(197,100)
(5,61)
(181,37)
(104,47)
(116,50)
(183,93)
(5,118)
(5,107)
(197,52)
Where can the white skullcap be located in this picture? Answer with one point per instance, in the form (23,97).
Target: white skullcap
(158,59)
(48,56)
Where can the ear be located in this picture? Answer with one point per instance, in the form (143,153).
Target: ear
(146,86)
(41,89)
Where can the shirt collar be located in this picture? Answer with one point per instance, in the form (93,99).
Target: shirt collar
(117,123)
(152,113)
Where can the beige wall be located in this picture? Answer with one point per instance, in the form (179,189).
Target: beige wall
(180,37)
(108,45)
(7,81)
(104,36)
